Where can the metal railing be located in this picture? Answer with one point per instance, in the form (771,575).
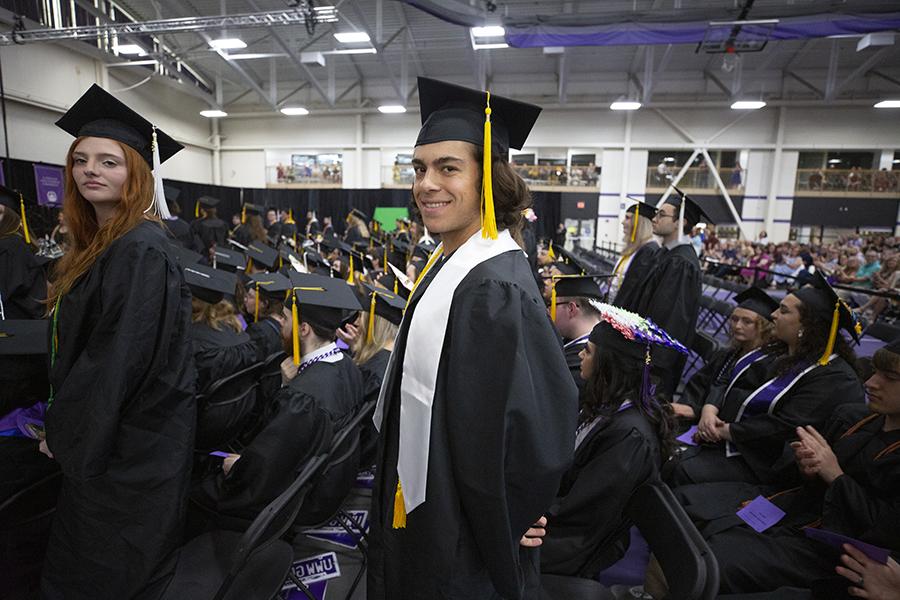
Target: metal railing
(322,174)
(848,180)
(697,178)
(534,175)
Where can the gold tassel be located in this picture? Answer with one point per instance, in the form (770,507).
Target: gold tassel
(399,508)
(290,218)
(488,218)
(550,251)
(370,328)
(295,330)
(553,300)
(244,214)
(249,264)
(395,286)
(256,307)
(196,209)
(832,334)
(384,262)
(350,276)
(24,220)
(634,224)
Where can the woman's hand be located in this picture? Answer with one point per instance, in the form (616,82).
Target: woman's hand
(710,424)
(814,456)
(288,370)
(682,411)
(532,537)
(44,448)
(349,333)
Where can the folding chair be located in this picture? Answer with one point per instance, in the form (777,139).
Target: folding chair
(224,408)
(703,347)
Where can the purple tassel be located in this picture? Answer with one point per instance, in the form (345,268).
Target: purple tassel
(648,390)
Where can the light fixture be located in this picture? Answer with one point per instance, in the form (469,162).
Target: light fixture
(747,105)
(213,113)
(352,37)
(488,31)
(352,51)
(227,44)
(625,105)
(490,46)
(834,161)
(391,109)
(130,49)
(294,111)
(888,104)
(896,161)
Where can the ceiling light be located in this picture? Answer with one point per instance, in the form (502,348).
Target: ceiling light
(625,105)
(227,44)
(294,111)
(896,161)
(834,161)
(210,114)
(391,109)
(748,105)
(130,49)
(888,104)
(353,51)
(489,31)
(490,46)
(352,37)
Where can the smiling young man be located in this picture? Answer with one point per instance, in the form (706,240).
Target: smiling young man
(477,411)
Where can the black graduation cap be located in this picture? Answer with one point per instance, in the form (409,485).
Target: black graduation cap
(578,286)
(390,282)
(99,114)
(567,268)
(172,193)
(262,253)
(185,256)
(228,259)
(321,300)
(332,243)
(208,284)
(274,285)
(23,336)
(208,201)
(756,300)
(253,209)
(645,210)
(313,257)
(452,112)
(10,198)
(359,214)
(693,213)
(826,306)
(387,304)
(424,249)
(605,336)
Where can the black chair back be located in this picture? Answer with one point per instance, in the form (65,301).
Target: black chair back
(691,570)
(270,376)
(223,410)
(31,504)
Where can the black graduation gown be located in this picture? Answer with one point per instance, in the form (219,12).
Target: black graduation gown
(586,525)
(373,374)
(698,387)
(299,424)
(863,503)
(573,361)
(502,434)
(266,336)
(180,231)
(763,439)
(628,295)
(218,354)
(670,297)
(709,384)
(242,234)
(121,425)
(207,232)
(23,283)
(354,235)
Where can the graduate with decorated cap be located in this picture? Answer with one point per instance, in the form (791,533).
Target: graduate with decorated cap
(638,256)
(23,283)
(121,413)
(477,410)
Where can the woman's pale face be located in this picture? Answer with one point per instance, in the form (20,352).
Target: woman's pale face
(250,301)
(787,319)
(99,170)
(587,360)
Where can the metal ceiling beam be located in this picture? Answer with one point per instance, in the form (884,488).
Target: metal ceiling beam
(864,68)
(805,83)
(400,9)
(887,78)
(380,48)
(563,76)
(717,82)
(831,79)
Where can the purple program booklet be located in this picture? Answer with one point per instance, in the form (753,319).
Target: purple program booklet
(837,540)
(688,436)
(760,514)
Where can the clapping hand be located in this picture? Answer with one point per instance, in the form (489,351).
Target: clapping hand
(814,456)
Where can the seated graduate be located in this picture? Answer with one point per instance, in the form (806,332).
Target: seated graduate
(261,258)
(220,345)
(208,230)
(179,229)
(23,283)
(251,228)
(574,316)
(638,256)
(750,330)
(624,435)
(265,294)
(811,376)
(851,486)
(322,391)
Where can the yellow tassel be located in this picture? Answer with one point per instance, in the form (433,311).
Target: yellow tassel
(290,218)
(634,224)
(553,300)
(350,276)
(249,264)
(197,209)
(384,261)
(295,331)
(370,328)
(24,220)
(399,509)
(256,307)
(488,218)
(832,334)
(244,214)
(550,251)
(395,287)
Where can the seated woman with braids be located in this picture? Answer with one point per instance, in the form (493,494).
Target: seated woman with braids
(624,436)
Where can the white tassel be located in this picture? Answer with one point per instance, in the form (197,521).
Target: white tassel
(681,234)
(159,192)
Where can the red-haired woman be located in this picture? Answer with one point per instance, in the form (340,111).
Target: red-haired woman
(121,414)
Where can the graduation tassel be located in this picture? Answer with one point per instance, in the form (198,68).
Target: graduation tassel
(370,328)
(634,225)
(295,331)
(256,307)
(832,334)
(550,251)
(399,508)
(244,214)
(24,220)
(159,193)
(645,382)
(395,286)
(488,218)
(384,261)
(553,300)
(249,264)
(681,220)
(196,209)
(350,276)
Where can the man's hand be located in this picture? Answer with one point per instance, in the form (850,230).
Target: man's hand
(815,457)
(532,537)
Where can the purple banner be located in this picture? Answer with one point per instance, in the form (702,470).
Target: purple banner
(49,184)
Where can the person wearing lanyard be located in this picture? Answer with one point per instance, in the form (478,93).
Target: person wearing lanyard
(624,435)
(574,315)
(477,412)
(638,256)
(121,414)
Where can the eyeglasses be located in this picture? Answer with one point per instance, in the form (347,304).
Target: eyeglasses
(659,215)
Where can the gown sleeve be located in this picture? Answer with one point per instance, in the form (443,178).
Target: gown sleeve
(855,510)
(139,309)
(510,420)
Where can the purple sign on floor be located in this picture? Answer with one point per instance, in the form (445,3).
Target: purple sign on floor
(314,572)
(48,181)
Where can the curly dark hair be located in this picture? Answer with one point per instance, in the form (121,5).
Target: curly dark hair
(812,344)
(617,378)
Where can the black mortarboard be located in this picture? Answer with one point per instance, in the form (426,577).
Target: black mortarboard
(389,281)
(822,301)
(323,301)
(185,256)
(332,243)
(253,209)
(645,210)
(10,198)
(424,249)
(693,213)
(567,268)
(756,300)
(274,285)
(578,286)
(387,304)
(262,253)
(172,193)
(360,214)
(605,336)
(23,336)
(229,260)
(313,257)
(453,112)
(208,284)
(208,201)
(99,114)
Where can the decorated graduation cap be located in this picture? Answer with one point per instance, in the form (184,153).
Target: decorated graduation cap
(688,209)
(26,336)
(454,113)
(826,307)
(574,285)
(643,209)
(99,114)
(228,259)
(273,285)
(322,300)
(261,253)
(208,284)
(14,201)
(756,300)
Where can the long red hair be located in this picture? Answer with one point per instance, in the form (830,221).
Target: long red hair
(87,238)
